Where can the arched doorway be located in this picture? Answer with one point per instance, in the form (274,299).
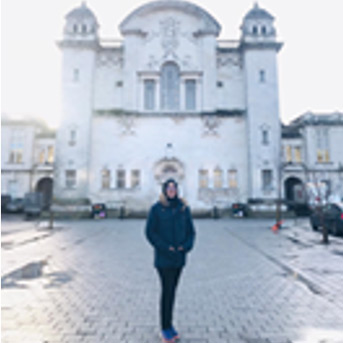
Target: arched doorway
(44,186)
(167,168)
(290,188)
(295,195)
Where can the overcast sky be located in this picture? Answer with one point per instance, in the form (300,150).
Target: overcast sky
(310,63)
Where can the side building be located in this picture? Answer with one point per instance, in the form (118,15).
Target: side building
(312,154)
(27,157)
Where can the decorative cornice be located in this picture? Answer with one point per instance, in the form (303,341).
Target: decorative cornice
(79,44)
(162,114)
(261,46)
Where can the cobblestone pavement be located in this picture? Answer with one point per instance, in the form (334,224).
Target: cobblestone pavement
(94,281)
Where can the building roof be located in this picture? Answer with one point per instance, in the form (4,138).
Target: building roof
(38,123)
(130,23)
(80,13)
(258,13)
(310,118)
(290,131)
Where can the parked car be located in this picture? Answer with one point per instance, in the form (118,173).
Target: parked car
(33,204)
(5,199)
(15,205)
(239,210)
(99,211)
(332,218)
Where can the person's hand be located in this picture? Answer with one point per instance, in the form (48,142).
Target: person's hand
(180,248)
(171,248)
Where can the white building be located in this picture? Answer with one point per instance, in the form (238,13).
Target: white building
(312,153)
(169,100)
(27,157)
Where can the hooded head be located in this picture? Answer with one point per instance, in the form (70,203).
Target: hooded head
(170,191)
(165,198)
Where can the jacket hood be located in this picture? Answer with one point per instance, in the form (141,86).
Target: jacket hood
(164,201)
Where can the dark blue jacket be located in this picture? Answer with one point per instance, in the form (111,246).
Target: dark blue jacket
(170,226)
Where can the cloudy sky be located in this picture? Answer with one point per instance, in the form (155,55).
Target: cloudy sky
(310,63)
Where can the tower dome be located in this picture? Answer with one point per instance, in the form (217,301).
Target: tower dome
(258,26)
(258,13)
(81,24)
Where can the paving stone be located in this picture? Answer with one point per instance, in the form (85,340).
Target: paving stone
(242,284)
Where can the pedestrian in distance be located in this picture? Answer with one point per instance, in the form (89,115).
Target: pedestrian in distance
(170,231)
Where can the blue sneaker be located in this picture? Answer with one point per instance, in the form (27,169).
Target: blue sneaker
(174,333)
(167,336)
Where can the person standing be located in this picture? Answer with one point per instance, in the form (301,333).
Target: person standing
(170,231)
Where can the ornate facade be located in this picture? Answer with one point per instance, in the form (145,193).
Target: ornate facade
(169,99)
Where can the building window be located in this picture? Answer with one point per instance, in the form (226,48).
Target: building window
(120,178)
(267,178)
(190,95)
(218,178)
(170,87)
(72,137)
(75,28)
(254,30)
(41,157)
(105,179)
(232,178)
(297,154)
(17,146)
(70,178)
(220,84)
(265,137)
(203,178)
(264,30)
(84,28)
(135,178)
(262,74)
(16,157)
(149,94)
(50,158)
(76,75)
(288,153)
(323,155)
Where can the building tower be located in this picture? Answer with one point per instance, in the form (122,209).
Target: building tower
(78,46)
(259,49)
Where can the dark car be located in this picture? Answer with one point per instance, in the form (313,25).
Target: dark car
(5,199)
(239,210)
(33,204)
(99,211)
(15,205)
(332,218)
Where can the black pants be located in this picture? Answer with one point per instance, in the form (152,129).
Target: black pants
(169,279)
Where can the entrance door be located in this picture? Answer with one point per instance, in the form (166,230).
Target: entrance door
(44,186)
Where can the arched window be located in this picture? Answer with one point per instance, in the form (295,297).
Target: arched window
(262,74)
(218,178)
(75,28)
(170,86)
(254,30)
(264,30)
(84,28)
(105,178)
(265,137)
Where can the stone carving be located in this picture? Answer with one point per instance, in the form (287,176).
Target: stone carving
(127,124)
(169,167)
(224,60)
(170,29)
(186,62)
(153,63)
(211,125)
(106,59)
